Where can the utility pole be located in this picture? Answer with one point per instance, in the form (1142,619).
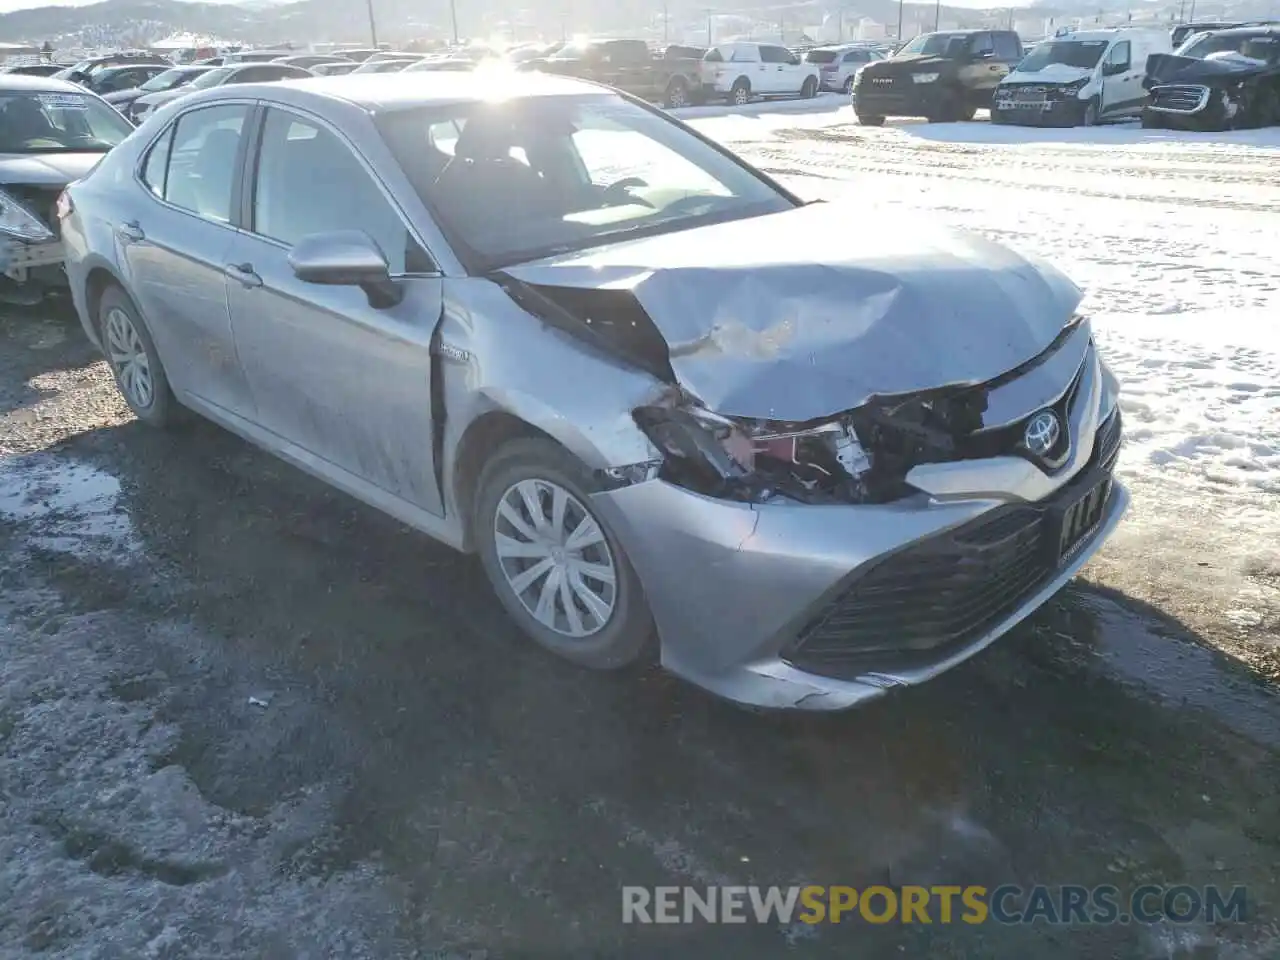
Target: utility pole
(1192,17)
(665,37)
(453,15)
(373,26)
(898,38)
(937,14)
(710,42)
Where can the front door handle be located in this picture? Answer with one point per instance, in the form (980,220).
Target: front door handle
(131,232)
(243,273)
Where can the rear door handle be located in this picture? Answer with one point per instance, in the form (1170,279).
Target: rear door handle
(131,232)
(243,273)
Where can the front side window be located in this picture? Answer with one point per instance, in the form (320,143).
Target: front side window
(55,122)
(981,44)
(288,206)
(934,45)
(513,181)
(202,161)
(1008,47)
(1119,56)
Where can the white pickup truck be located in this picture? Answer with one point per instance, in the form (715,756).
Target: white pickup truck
(740,72)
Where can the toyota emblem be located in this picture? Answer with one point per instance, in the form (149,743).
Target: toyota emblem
(1042,433)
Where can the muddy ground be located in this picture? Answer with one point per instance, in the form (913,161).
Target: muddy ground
(244,716)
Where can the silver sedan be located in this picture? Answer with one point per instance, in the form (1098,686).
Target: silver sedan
(556,327)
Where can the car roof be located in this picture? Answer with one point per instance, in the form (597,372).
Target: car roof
(28,83)
(377,92)
(1257,30)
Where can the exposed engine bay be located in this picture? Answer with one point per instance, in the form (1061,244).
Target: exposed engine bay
(861,455)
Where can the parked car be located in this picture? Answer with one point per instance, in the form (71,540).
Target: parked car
(51,132)
(172,79)
(334,69)
(388,65)
(627,65)
(838,65)
(115,79)
(940,76)
(1183,32)
(236,73)
(740,72)
(1080,79)
(86,69)
(33,69)
(1217,81)
(669,412)
(454,64)
(310,61)
(254,56)
(358,54)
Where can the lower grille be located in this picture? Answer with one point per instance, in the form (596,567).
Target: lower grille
(42,201)
(1179,98)
(942,593)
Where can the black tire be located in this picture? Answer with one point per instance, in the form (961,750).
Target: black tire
(1152,121)
(997,116)
(677,94)
(848,86)
(1089,115)
(628,636)
(966,113)
(740,92)
(163,410)
(947,109)
(870,120)
(809,89)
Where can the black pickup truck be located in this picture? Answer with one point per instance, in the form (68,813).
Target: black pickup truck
(629,66)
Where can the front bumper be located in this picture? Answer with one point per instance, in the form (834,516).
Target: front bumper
(34,264)
(900,99)
(758,603)
(1067,112)
(1191,107)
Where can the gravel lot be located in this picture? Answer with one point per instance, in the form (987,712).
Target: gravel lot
(243,716)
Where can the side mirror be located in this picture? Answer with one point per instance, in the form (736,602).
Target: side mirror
(346,258)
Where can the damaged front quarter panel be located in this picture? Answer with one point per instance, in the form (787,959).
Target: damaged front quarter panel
(495,359)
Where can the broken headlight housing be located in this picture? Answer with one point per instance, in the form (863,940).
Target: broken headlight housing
(17,221)
(757,460)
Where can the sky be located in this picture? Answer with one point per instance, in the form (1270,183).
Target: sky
(8,6)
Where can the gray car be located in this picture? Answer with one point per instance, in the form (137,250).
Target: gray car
(232,73)
(51,132)
(562,330)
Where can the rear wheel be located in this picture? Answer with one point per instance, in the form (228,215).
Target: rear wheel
(870,120)
(740,93)
(134,361)
(848,86)
(677,94)
(553,561)
(810,88)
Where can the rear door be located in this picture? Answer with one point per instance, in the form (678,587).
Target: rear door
(348,383)
(177,244)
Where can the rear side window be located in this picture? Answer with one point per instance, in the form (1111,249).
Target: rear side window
(713,56)
(1008,47)
(157,164)
(202,160)
(856,56)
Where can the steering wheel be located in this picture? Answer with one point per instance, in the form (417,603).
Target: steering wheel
(618,192)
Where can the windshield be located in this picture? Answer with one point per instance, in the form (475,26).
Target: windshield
(571,51)
(165,81)
(44,122)
(934,45)
(1084,54)
(820,56)
(212,78)
(1203,44)
(516,181)
(68,72)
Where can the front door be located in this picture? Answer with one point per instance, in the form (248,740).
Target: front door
(1122,91)
(176,246)
(348,383)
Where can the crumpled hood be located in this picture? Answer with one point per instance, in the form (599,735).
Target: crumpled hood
(46,169)
(1170,68)
(793,316)
(1050,73)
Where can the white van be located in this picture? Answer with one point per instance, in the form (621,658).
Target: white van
(740,72)
(1080,77)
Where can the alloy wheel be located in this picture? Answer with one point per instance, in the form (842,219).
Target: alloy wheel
(128,358)
(555,558)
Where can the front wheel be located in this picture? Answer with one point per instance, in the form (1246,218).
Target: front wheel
(677,95)
(1152,121)
(553,561)
(810,88)
(870,120)
(1089,118)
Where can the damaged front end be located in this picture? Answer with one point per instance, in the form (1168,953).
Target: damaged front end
(859,456)
(31,253)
